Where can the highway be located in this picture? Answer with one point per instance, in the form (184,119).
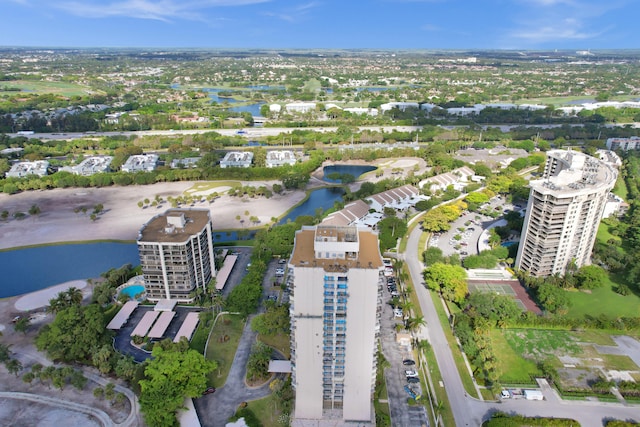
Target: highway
(258,132)
(469,411)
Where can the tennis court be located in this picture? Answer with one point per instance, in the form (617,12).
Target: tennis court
(513,288)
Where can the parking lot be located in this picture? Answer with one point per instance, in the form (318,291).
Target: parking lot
(399,389)
(465,232)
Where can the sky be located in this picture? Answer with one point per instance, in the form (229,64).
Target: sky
(323,24)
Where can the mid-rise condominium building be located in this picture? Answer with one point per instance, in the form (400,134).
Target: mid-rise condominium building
(336,302)
(176,254)
(563,213)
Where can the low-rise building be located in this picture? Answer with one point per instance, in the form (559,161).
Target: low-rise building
(237,159)
(458,178)
(400,198)
(90,166)
(188,162)
(280,158)
(300,107)
(22,169)
(141,163)
(624,144)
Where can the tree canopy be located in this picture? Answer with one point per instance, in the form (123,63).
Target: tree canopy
(171,376)
(449,280)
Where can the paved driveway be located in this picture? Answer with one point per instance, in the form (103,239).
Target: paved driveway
(215,409)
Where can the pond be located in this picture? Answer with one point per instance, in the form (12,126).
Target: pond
(353,170)
(31,269)
(323,198)
(254,109)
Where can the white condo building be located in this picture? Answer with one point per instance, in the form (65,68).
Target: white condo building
(176,254)
(335,310)
(563,213)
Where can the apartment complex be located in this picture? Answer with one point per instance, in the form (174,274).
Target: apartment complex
(336,303)
(176,254)
(563,213)
(624,144)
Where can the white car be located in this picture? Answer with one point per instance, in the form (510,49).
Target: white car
(410,373)
(397,312)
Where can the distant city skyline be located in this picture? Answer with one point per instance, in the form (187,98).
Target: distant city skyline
(330,24)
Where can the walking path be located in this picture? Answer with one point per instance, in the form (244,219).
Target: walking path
(215,409)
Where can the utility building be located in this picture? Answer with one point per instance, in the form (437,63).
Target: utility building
(176,254)
(336,303)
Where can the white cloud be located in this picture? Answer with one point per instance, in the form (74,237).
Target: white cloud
(163,10)
(294,14)
(430,27)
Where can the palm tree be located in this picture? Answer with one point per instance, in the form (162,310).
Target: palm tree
(415,323)
(74,296)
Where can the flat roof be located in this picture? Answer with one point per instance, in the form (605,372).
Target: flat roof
(165,305)
(123,315)
(279,366)
(145,323)
(225,271)
(304,252)
(188,326)
(162,324)
(159,230)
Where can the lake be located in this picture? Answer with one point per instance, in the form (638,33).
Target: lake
(32,269)
(27,270)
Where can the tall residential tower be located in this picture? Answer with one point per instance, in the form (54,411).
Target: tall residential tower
(176,254)
(563,213)
(336,304)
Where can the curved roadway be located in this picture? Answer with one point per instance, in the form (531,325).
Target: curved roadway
(468,411)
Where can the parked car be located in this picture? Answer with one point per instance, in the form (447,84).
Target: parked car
(282,261)
(410,373)
(413,380)
(408,362)
(209,390)
(397,312)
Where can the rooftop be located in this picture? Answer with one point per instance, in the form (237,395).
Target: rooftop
(368,255)
(174,226)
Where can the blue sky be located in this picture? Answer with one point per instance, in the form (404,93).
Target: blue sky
(383,24)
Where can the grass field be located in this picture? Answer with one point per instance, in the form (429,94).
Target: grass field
(223,344)
(280,342)
(620,188)
(513,368)
(57,88)
(604,235)
(562,100)
(604,301)
(538,343)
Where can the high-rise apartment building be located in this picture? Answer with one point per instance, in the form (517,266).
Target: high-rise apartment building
(336,304)
(176,254)
(563,213)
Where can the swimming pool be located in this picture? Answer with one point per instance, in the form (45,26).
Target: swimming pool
(132,290)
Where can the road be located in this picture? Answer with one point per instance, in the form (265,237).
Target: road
(257,132)
(468,411)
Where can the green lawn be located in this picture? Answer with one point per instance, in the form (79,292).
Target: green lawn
(223,344)
(57,88)
(604,301)
(537,343)
(620,188)
(513,368)
(604,235)
(267,411)
(280,342)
